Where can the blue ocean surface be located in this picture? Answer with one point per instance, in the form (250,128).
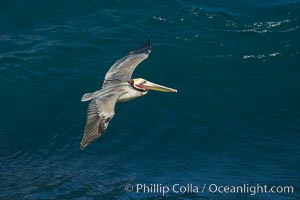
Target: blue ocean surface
(235,120)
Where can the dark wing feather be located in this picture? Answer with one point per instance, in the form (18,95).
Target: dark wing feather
(123,68)
(100,111)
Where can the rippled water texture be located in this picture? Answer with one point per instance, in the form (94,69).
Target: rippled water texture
(235,119)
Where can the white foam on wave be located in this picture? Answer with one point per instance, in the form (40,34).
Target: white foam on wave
(260,27)
(261,56)
(159,18)
(274,54)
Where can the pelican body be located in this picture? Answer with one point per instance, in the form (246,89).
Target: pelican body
(118,86)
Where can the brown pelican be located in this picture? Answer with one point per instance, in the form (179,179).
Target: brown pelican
(117,87)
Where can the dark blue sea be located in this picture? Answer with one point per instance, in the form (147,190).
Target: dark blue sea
(234,123)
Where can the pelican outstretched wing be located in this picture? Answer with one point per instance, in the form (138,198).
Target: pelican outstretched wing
(101,110)
(123,68)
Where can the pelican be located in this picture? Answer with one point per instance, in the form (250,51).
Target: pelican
(118,86)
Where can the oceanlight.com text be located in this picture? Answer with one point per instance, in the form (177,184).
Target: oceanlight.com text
(163,189)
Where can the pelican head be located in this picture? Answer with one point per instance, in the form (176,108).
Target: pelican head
(144,85)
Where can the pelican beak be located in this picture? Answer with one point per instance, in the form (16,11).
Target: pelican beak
(152,86)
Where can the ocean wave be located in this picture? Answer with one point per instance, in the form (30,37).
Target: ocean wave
(261,56)
(287,25)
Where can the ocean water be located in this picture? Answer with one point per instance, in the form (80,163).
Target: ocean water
(234,121)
